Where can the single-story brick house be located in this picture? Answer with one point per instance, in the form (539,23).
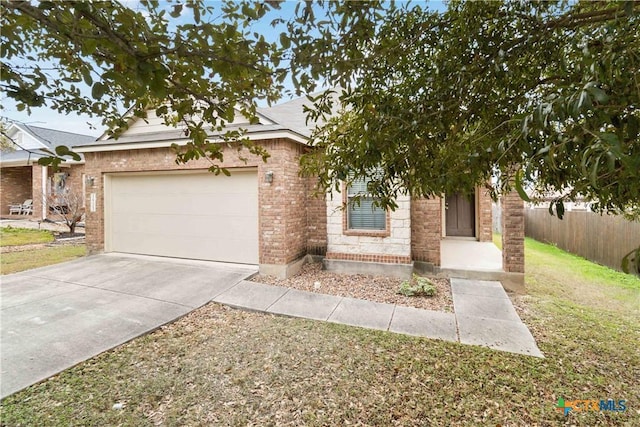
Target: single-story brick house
(22,178)
(141,201)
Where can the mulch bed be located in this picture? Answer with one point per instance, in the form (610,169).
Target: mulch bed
(373,288)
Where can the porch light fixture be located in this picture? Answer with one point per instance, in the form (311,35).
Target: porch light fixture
(268,177)
(91,181)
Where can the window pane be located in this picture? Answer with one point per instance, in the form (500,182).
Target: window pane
(357,187)
(366,216)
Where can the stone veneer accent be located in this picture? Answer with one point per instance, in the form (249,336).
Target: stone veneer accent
(393,246)
(512,233)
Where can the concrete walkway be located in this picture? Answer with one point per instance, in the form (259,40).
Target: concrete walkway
(483,315)
(54,317)
(27,222)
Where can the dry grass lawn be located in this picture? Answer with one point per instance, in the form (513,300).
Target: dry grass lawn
(220,366)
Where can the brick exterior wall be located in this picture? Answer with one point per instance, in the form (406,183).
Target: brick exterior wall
(282,213)
(316,220)
(283,204)
(426,229)
(15,186)
(512,233)
(485,215)
(25,182)
(74,178)
(380,258)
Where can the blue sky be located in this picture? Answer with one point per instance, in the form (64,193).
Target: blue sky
(45,117)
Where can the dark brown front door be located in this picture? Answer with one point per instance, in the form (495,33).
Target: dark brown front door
(461,215)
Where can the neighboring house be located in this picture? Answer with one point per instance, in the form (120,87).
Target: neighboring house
(141,201)
(22,178)
(545,200)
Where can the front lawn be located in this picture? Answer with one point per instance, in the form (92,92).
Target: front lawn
(220,366)
(10,236)
(13,262)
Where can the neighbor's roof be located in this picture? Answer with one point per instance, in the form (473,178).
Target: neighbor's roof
(47,138)
(54,138)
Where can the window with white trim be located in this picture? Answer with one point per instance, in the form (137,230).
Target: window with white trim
(363,214)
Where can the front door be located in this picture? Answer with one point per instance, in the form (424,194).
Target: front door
(460,215)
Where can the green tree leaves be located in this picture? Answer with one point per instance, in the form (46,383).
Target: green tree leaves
(447,101)
(105,58)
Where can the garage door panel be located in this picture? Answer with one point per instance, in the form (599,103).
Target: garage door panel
(182,204)
(197,216)
(192,247)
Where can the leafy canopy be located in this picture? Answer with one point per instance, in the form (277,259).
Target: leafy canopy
(546,92)
(100,58)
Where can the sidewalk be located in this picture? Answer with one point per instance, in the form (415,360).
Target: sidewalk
(483,315)
(26,222)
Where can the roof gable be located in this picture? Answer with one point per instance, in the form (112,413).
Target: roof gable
(153,124)
(29,142)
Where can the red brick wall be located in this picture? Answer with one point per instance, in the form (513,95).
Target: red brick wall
(426,229)
(379,258)
(283,215)
(15,186)
(74,180)
(316,220)
(512,233)
(283,218)
(485,220)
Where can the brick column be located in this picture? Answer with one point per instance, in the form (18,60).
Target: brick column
(512,233)
(485,220)
(426,230)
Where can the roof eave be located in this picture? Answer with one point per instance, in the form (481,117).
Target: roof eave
(140,145)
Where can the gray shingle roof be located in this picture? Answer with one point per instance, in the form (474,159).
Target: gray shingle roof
(288,116)
(54,138)
(51,138)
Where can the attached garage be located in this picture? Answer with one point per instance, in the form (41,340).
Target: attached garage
(184,214)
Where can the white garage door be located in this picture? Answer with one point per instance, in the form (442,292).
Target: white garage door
(184,215)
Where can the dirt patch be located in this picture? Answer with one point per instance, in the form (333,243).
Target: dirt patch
(373,288)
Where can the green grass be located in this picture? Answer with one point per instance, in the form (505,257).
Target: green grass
(220,366)
(10,236)
(13,262)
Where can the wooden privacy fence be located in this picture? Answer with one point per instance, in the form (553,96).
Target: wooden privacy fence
(604,239)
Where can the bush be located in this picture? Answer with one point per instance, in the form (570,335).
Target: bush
(417,287)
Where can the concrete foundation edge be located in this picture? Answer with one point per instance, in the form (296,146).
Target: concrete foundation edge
(402,271)
(283,271)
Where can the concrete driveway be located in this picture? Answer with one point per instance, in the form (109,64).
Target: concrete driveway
(55,317)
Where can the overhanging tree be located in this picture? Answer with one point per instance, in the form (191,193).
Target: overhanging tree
(439,101)
(101,58)
(445,101)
